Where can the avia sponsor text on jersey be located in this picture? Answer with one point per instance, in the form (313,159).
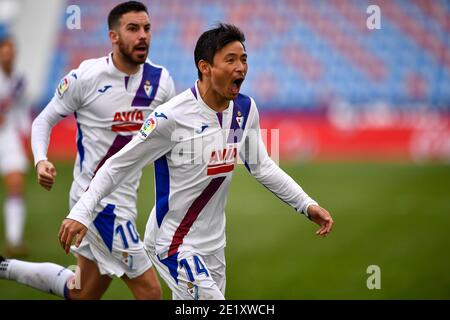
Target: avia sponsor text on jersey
(127,121)
(222,161)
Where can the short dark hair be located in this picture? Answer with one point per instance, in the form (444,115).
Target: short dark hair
(215,39)
(118,11)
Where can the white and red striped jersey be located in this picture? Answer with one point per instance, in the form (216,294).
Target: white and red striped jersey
(195,151)
(110,107)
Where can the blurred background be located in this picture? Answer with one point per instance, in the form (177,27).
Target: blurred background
(364,126)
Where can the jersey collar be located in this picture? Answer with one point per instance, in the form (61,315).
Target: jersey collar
(198,97)
(116,72)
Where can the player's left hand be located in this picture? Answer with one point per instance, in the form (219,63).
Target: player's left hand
(69,229)
(322,217)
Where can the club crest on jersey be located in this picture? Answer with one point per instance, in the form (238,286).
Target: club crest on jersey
(148,88)
(148,126)
(63,86)
(240,119)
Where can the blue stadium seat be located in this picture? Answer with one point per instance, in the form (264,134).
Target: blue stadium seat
(349,57)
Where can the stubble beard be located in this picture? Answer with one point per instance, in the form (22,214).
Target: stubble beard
(128,55)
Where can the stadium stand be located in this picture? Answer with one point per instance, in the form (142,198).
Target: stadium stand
(315,67)
(302,53)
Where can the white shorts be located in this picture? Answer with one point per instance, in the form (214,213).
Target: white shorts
(12,155)
(112,241)
(191,276)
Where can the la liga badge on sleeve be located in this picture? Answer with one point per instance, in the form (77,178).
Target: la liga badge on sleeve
(148,126)
(63,86)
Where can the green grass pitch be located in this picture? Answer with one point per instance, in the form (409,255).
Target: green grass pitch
(395,216)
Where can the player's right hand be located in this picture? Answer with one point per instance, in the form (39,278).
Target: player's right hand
(69,229)
(46,174)
(322,217)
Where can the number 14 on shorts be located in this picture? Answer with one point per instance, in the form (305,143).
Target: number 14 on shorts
(198,266)
(189,265)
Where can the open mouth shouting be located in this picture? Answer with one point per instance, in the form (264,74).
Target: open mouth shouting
(141,49)
(236,85)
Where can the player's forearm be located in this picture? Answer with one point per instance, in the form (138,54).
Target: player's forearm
(100,187)
(272,176)
(283,186)
(40,138)
(40,133)
(127,162)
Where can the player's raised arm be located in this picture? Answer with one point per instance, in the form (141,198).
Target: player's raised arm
(152,142)
(268,173)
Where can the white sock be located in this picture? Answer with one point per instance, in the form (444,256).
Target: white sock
(47,277)
(14,211)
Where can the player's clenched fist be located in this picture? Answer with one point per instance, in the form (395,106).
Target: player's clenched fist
(69,229)
(46,174)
